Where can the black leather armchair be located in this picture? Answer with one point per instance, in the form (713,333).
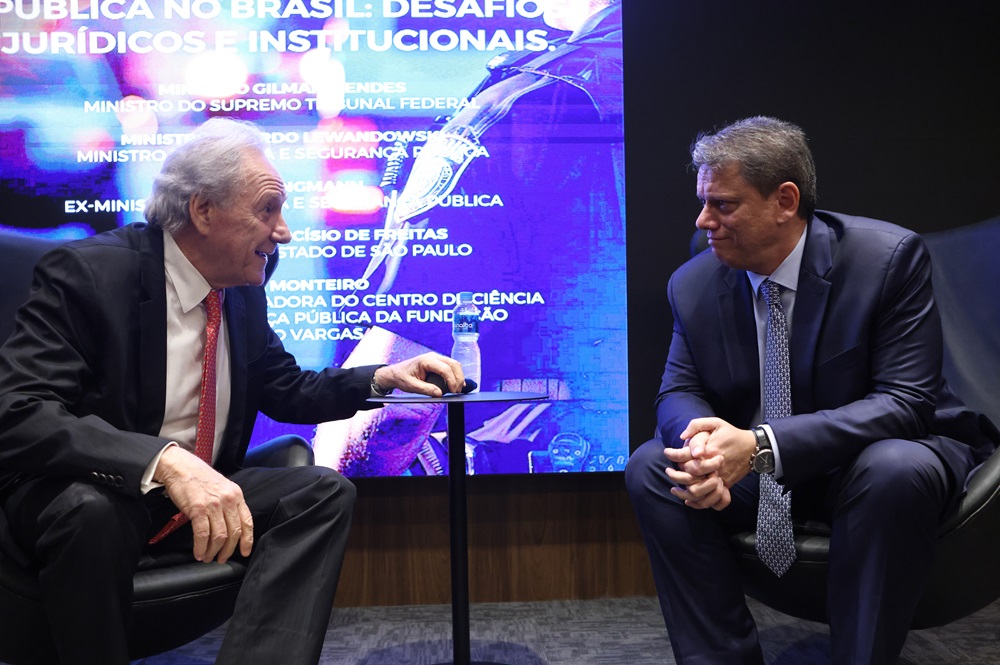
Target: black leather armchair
(189,597)
(965,577)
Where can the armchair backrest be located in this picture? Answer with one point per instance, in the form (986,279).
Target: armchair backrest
(18,256)
(966,274)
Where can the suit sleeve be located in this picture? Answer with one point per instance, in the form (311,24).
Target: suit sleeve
(294,395)
(278,387)
(52,379)
(682,395)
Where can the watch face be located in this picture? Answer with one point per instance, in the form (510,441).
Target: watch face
(763,461)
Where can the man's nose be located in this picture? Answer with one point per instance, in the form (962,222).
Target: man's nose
(705,221)
(281,233)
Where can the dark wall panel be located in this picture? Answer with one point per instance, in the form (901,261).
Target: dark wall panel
(897,102)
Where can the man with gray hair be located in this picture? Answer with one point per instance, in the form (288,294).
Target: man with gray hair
(128,394)
(803,380)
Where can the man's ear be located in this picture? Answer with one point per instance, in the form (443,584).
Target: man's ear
(200,209)
(787,198)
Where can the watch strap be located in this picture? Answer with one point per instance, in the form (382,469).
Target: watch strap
(376,389)
(763,444)
(762,441)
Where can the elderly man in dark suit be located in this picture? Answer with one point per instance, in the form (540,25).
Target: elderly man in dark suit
(805,357)
(128,393)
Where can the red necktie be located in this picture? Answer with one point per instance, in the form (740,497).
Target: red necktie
(204,437)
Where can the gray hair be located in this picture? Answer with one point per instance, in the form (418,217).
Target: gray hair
(210,163)
(768,153)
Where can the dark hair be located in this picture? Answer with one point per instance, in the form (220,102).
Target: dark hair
(767,151)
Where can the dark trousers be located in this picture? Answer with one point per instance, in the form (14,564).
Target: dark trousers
(884,509)
(87,540)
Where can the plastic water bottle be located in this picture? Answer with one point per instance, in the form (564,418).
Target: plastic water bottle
(465,332)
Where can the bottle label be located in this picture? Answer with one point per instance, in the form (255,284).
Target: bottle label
(464,324)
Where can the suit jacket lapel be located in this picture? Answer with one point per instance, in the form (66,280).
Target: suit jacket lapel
(810,305)
(152,332)
(739,335)
(236,325)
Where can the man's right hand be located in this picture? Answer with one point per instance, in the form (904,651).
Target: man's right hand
(220,518)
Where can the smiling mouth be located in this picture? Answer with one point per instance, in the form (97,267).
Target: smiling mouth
(262,255)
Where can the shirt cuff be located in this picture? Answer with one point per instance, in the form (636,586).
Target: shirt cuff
(147,484)
(778,471)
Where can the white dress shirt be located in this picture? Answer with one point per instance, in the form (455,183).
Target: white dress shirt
(186,290)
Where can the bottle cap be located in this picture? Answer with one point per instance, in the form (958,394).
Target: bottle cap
(465,296)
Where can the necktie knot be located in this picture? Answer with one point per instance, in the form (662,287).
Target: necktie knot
(213,306)
(771,292)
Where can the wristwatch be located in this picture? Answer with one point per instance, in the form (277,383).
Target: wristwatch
(377,390)
(762,460)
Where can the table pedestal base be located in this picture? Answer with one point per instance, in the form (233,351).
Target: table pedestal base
(457,506)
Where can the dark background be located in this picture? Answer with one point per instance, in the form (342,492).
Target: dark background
(897,101)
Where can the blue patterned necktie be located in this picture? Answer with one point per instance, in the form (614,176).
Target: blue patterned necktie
(775,539)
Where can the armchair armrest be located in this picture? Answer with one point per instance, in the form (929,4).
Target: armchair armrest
(980,500)
(290,450)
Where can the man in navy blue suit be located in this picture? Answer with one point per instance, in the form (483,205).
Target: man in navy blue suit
(874,443)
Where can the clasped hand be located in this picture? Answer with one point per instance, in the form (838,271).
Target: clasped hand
(714,458)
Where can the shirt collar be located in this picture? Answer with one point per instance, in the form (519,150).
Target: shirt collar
(786,274)
(191,287)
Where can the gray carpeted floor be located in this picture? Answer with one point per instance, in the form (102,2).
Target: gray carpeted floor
(624,631)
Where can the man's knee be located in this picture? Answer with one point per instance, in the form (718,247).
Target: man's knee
(79,516)
(329,488)
(648,485)
(644,466)
(90,505)
(898,472)
(339,487)
(898,461)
